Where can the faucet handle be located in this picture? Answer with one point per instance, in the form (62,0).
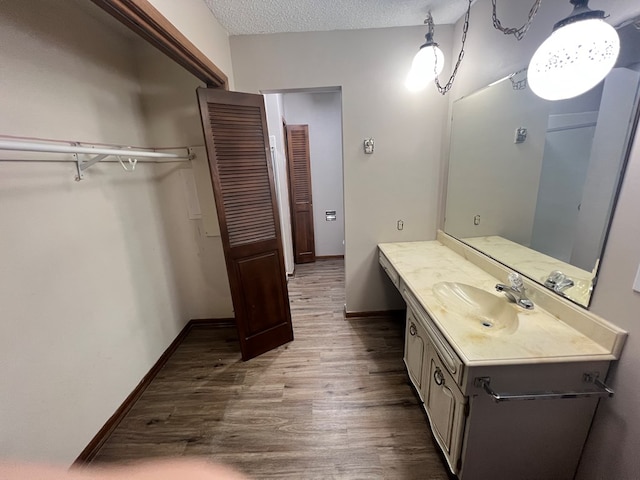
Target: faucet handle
(558,282)
(515,280)
(556,276)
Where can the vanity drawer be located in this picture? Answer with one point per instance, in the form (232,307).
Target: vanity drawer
(386,265)
(450,360)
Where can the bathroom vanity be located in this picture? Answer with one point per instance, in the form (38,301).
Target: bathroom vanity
(510,393)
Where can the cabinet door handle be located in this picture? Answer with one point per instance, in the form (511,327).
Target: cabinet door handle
(438,377)
(413,330)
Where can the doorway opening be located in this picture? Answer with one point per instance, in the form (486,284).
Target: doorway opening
(312,216)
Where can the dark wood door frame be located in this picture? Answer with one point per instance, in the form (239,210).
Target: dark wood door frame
(144,19)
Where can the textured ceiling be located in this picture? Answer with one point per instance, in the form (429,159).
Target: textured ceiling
(243,17)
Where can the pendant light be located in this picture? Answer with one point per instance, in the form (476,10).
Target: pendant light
(580,52)
(427,63)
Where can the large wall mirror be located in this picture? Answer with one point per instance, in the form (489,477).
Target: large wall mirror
(533,183)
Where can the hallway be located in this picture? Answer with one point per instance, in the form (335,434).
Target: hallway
(335,403)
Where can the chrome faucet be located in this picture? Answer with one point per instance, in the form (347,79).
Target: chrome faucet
(515,291)
(558,282)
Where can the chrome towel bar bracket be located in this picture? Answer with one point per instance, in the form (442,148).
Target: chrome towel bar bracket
(602,391)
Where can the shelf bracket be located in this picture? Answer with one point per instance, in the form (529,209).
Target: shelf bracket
(81,165)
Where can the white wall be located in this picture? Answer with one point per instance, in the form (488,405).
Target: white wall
(274,105)
(322,111)
(611,450)
(90,289)
(400,180)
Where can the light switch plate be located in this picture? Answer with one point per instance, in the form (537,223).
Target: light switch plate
(636,282)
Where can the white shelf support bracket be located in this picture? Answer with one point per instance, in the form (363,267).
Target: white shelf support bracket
(83,165)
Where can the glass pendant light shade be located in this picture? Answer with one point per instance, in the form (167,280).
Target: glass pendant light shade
(427,65)
(575,58)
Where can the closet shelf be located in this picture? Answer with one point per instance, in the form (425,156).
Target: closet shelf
(100,153)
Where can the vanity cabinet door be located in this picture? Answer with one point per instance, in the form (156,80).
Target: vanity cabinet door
(445,406)
(414,350)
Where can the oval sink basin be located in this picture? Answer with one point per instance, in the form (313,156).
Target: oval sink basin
(485,311)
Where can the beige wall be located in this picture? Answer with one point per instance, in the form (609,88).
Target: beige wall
(400,180)
(611,450)
(322,112)
(59,81)
(487,167)
(92,286)
(614,443)
(196,22)
(172,118)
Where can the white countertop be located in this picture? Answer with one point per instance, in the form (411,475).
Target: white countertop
(540,336)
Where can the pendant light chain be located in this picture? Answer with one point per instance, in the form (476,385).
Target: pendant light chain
(449,84)
(520,32)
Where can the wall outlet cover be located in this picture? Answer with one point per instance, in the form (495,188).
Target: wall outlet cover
(369,144)
(636,282)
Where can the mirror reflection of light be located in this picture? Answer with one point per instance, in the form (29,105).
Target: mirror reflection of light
(574,59)
(427,64)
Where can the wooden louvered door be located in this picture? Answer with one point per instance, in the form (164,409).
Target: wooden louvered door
(236,137)
(299,163)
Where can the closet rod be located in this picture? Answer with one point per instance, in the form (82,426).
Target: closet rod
(51,148)
(100,153)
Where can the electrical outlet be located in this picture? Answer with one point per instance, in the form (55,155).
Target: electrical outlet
(368,145)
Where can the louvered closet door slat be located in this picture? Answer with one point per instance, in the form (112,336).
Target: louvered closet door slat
(249,220)
(301,170)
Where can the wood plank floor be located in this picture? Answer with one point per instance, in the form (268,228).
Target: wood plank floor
(334,403)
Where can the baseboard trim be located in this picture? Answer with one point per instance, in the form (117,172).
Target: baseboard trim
(213,322)
(91,450)
(371,314)
(330,257)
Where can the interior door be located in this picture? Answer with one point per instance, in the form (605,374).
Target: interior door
(299,163)
(236,138)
